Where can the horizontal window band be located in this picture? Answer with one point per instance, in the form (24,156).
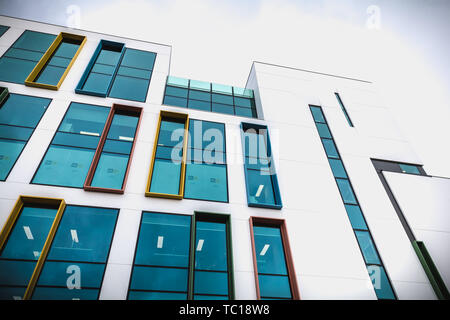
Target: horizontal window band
(75,261)
(71,146)
(61,287)
(217,271)
(162,291)
(157,266)
(273,274)
(23,59)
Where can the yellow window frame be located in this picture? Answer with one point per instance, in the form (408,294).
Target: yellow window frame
(60,204)
(180,195)
(31,79)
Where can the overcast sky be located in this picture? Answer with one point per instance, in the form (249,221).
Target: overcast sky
(401,45)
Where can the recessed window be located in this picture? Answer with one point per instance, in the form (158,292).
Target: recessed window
(344,110)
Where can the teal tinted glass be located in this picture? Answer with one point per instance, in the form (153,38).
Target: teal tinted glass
(330,148)
(46,293)
(58,273)
(179,82)
(166,177)
(138,59)
(380,282)
(206,182)
(110,171)
(152,295)
(163,240)
(21,110)
(199,95)
(175,101)
(346,191)
(129,88)
(260,188)
(271,286)
(3,29)
(256,143)
(64,166)
(123,127)
(317,114)
(77,240)
(210,283)
(210,246)
(199,105)
(9,152)
(356,217)
(324,132)
(177,92)
(367,247)
(85,119)
(159,279)
(171,133)
(407,168)
(206,135)
(269,250)
(17,63)
(338,168)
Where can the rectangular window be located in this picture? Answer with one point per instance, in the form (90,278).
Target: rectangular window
(4,94)
(200,95)
(338,97)
(19,116)
(99,74)
(274,270)
(50,251)
(70,154)
(52,68)
(166,176)
(206,169)
(178,259)
(3,29)
(112,159)
(260,174)
(374,265)
(21,58)
(133,75)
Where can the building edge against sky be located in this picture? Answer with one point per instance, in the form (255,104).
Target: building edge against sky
(312,216)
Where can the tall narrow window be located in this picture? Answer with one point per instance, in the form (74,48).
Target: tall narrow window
(133,76)
(112,159)
(4,94)
(274,271)
(21,58)
(338,97)
(3,29)
(19,116)
(260,173)
(166,177)
(374,264)
(52,68)
(50,251)
(212,269)
(206,169)
(99,74)
(177,259)
(161,264)
(69,156)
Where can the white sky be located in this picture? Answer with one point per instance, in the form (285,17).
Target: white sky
(406,55)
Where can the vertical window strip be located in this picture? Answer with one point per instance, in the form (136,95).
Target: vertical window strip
(167,170)
(211,97)
(109,168)
(206,168)
(21,261)
(3,29)
(19,117)
(101,70)
(380,280)
(344,110)
(211,267)
(275,277)
(260,174)
(68,158)
(21,58)
(52,68)
(161,262)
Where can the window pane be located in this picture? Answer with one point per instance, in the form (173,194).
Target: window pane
(77,239)
(200,95)
(200,85)
(274,286)
(123,127)
(356,217)
(208,282)
(346,191)
(178,92)
(205,297)
(166,177)
(133,72)
(245,112)
(144,295)
(207,182)
(260,188)
(406,168)
(211,246)
(380,282)
(317,114)
(15,70)
(367,247)
(242,102)
(23,110)
(222,108)
(50,75)
(84,118)
(221,88)
(43,293)
(9,152)
(109,57)
(64,166)
(330,148)
(97,82)
(129,88)
(220,98)
(138,59)
(171,133)
(269,250)
(155,278)
(71,274)
(199,105)
(29,234)
(179,82)
(338,168)
(110,171)
(19,133)
(163,240)
(175,101)
(33,40)
(76,140)
(324,132)
(15,273)
(12,293)
(115,146)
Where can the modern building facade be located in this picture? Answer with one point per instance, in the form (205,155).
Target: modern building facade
(119,180)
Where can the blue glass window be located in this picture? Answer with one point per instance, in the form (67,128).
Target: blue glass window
(161,262)
(133,76)
(380,281)
(19,255)
(113,162)
(69,156)
(407,168)
(3,29)
(349,121)
(207,96)
(261,179)
(19,116)
(21,58)
(206,169)
(77,258)
(270,258)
